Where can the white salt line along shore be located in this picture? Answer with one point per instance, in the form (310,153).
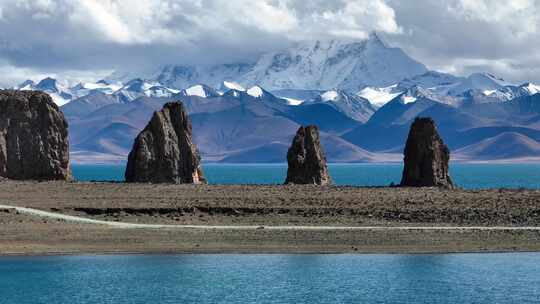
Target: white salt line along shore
(78,219)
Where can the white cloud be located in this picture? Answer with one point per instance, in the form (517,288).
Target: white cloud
(264,15)
(464,36)
(518,16)
(364,16)
(103,18)
(106,34)
(94,35)
(15,75)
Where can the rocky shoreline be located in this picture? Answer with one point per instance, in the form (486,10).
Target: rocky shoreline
(265,206)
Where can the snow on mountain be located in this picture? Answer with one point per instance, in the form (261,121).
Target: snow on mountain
(196,90)
(380,96)
(353,106)
(26,85)
(330,95)
(333,64)
(419,93)
(234,93)
(315,65)
(478,82)
(200,90)
(231,85)
(59,92)
(530,88)
(133,89)
(136,88)
(292,101)
(497,91)
(160,91)
(255,91)
(184,76)
(408,99)
(452,90)
(102,86)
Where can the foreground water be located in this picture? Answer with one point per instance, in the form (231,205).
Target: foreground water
(450,278)
(465,175)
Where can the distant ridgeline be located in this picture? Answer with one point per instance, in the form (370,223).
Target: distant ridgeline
(33,146)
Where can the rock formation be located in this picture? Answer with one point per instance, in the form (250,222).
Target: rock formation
(426,157)
(33,137)
(307,163)
(164,151)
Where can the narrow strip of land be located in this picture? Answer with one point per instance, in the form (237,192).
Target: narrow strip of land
(78,219)
(57,217)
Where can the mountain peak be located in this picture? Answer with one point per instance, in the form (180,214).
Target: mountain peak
(255,91)
(200,90)
(47,84)
(375,39)
(27,84)
(232,85)
(331,95)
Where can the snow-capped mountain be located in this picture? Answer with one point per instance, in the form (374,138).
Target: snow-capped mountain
(478,82)
(380,96)
(316,65)
(185,76)
(324,65)
(102,86)
(231,85)
(136,88)
(353,106)
(530,89)
(60,93)
(200,90)
(63,94)
(452,90)
(255,94)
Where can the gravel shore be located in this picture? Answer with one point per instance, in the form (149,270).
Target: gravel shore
(239,205)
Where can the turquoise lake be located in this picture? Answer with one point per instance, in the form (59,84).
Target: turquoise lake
(470,176)
(313,279)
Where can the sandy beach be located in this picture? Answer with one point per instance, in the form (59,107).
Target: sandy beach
(72,218)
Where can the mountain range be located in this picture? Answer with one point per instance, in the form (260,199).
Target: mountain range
(363,95)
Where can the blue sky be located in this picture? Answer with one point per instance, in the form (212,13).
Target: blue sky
(87,39)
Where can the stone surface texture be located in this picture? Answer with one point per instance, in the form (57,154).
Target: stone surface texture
(426,157)
(33,137)
(306,159)
(164,151)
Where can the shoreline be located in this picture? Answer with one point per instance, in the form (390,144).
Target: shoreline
(58,218)
(173,253)
(504,161)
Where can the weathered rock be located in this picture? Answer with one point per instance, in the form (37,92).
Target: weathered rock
(307,162)
(33,137)
(164,151)
(426,157)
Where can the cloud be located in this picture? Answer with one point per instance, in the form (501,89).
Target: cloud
(85,35)
(519,16)
(81,37)
(464,36)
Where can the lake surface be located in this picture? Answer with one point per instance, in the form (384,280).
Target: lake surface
(447,278)
(471,176)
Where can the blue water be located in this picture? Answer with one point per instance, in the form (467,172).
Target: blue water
(447,278)
(471,176)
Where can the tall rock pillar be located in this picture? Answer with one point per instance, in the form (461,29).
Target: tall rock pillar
(426,157)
